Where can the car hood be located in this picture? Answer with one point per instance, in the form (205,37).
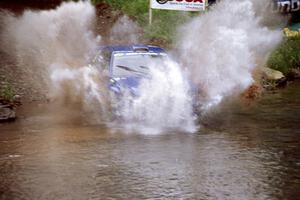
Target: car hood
(129,82)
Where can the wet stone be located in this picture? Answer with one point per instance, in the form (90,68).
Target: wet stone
(7,113)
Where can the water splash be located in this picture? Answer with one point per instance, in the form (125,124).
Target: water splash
(125,31)
(38,39)
(83,87)
(222,47)
(56,46)
(164,101)
(52,48)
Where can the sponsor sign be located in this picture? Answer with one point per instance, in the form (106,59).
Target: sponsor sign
(185,5)
(286,6)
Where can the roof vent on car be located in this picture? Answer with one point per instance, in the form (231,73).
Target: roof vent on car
(140,49)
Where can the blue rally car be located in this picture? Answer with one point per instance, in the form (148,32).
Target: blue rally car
(127,65)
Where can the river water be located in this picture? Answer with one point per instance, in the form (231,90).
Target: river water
(241,152)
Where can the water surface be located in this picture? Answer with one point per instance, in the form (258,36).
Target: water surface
(243,152)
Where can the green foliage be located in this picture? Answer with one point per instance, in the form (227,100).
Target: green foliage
(137,9)
(286,56)
(95,2)
(7,93)
(165,24)
(113,3)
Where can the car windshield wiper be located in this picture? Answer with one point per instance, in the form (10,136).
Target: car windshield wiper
(129,69)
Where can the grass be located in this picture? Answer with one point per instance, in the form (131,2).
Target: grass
(287,56)
(7,93)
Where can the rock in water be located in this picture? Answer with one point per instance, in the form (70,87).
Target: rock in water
(271,74)
(7,113)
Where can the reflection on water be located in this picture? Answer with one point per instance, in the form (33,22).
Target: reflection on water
(245,152)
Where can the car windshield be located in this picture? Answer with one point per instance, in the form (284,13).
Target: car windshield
(134,64)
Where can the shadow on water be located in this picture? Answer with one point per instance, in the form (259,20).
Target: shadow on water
(244,152)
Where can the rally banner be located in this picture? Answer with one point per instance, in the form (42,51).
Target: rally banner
(184,5)
(287,6)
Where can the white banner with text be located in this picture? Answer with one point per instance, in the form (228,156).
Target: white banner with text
(184,5)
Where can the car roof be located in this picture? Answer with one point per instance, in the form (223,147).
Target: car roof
(133,48)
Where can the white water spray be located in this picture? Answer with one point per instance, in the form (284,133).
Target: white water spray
(164,101)
(125,31)
(222,47)
(58,43)
(52,48)
(220,50)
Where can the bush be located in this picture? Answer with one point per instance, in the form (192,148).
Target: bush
(7,93)
(287,56)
